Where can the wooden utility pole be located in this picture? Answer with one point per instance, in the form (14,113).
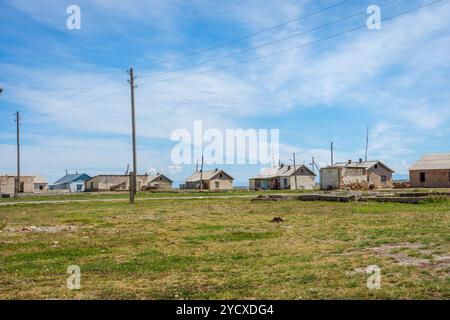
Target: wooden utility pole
(295,173)
(17,184)
(201,175)
(367,143)
(133,124)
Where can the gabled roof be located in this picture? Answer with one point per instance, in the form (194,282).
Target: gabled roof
(364,164)
(288,171)
(69,178)
(285,171)
(153,178)
(207,175)
(39,179)
(439,161)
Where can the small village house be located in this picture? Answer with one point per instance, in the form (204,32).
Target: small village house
(360,175)
(379,175)
(431,171)
(211,180)
(40,184)
(72,183)
(28,184)
(159,182)
(284,178)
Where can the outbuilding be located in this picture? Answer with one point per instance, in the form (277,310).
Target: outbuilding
(431,171)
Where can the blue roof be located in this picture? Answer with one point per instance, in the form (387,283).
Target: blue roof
(69,178)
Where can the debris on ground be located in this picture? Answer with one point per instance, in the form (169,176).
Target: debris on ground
(277,220)
(41,229)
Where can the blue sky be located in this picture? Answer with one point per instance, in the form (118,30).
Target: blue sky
(395,79)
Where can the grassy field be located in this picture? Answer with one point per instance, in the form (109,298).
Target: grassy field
(225,249)
(140,195)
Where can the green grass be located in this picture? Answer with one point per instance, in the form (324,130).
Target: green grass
(225,249)
(142,195)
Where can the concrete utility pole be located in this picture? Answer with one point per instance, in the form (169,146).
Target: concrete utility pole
(367,143)
(295,173)
(17,184)
(201,176)
(332,155)
(133,124)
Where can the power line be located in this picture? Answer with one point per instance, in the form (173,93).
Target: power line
(295,35)
(78,92)
(294,48)
(253,59)
(248,35)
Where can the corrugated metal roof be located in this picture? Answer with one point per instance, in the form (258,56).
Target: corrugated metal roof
(69,178)
(207,175)
(364,164)
(439,161)
(285,171)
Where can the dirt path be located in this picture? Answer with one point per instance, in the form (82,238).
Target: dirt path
(121,200)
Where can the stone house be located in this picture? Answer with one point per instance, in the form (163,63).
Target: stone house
(159,182)
(212,180)
(431,171)
(379,175)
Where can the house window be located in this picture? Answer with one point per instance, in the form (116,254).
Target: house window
(217,184)
(221,175)
(383,178)
(79,187)
(285,183)
(422,177)
(449,176)
(376,166)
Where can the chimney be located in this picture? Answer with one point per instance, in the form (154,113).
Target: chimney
(66,172)
(217,169)
(282,165)
(360,160)
(289,167)
(349,161)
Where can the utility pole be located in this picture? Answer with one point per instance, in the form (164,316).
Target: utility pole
(332,155)
(295,173)
(17,184)
(367,143)
(133,124)
(201,176)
